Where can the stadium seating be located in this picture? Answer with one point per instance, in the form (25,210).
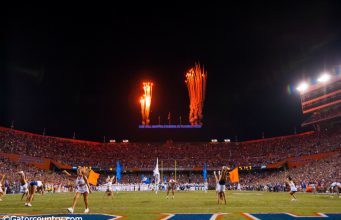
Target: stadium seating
(189,156)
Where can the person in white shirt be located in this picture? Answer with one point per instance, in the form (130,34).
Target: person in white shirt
(293,188)
(23,184)
(33,187)
(109,182)
(1,192)
(82,188)
(335,187)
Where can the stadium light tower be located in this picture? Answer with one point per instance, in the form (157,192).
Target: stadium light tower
(325,77)
(302,87)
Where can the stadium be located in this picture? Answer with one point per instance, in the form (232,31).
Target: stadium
(163,132)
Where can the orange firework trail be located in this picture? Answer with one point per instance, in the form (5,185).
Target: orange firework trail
(145,102)
(196,84)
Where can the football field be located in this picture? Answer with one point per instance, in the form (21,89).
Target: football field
(148,205)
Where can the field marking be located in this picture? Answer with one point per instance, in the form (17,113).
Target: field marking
(317,215)
(214,216)
(251,216)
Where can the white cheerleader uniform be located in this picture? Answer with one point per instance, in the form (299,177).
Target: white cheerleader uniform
(221,188)
(81,185)
(24,188)
(1,188)
(292,186)
(335,184)
(109,186)
(39,183)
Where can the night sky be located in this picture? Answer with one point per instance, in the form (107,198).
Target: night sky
(81,69)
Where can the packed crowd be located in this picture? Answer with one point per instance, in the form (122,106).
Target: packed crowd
(59,182)
(188,155)
(317,174)
(325,115)
(52,180)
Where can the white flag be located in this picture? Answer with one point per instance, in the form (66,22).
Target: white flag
(156,172)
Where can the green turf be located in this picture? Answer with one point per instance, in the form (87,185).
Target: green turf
(147,205)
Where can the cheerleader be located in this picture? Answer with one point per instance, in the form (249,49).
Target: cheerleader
(216,181)
(171,187)
(23,184)
(82,188)
(221,184)
(1,191)
(293,188)
(335,187)
(205,186)
(109,182)
(32,188)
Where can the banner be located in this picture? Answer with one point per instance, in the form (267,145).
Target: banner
(38,162)
(300,161)
(234,175)
(61,166)
(204,173)
(156,172)
(93,177)
(118,171)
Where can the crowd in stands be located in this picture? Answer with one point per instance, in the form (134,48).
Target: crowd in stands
(189,157)
(323,115)
(319,174)
(11,169)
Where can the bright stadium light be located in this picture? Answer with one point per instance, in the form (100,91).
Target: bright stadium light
(214,140)
(302,87)
(325,77)
(227,140)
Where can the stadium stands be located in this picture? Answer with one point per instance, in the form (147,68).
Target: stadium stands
(190,157)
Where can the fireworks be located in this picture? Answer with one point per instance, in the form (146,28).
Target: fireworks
(145,102)
(196,83)
(196,78)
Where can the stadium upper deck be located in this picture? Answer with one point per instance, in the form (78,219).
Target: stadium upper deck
(189,156)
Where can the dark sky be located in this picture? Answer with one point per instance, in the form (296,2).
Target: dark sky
(80,69)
